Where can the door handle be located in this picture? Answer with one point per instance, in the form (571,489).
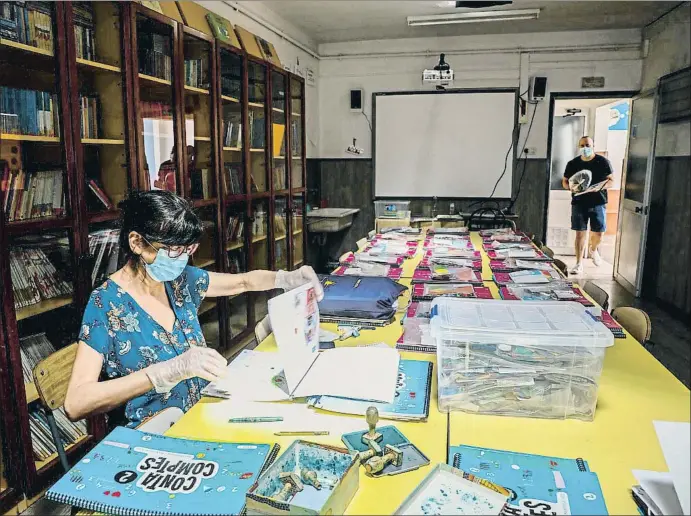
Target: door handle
(638,209)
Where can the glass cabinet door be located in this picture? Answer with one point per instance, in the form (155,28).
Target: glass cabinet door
(156,98)
(297,128)
(281,233)
(236,255)
(205,257)
(297,228)
(233,181)
(102,114)
(279,170)
(259,235)
(256,95)
(199,111)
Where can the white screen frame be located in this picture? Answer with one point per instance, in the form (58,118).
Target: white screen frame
(505,188)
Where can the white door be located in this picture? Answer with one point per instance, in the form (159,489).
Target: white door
(633,220)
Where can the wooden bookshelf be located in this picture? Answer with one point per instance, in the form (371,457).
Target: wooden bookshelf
(102,141)
(115,156)
(297,231)
(43,306)
(25,48)
(29,138)
(69,449)
(97,66)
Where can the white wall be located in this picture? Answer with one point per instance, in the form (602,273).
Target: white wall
(669,45)
(499,60)
(288,52)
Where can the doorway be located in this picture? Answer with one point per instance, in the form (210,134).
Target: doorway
(606,120)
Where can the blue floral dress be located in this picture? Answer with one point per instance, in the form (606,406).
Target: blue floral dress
(129,339)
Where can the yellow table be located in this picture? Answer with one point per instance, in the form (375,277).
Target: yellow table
(635,389)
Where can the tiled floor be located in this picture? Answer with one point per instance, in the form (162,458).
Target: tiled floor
(671,337)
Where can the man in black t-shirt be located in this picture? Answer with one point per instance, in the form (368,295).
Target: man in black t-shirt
(588,207)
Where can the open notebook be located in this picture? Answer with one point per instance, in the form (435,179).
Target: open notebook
(299,369)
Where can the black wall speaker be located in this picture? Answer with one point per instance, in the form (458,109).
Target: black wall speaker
(538,88)
(356,100)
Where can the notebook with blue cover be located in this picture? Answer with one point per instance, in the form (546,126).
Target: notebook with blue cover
(413,389)
(132,472)
(358,298)
(538,484)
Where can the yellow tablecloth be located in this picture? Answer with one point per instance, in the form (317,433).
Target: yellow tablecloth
(635,389)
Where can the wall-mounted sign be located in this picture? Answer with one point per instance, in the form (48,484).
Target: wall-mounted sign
(310,77)
(592,82)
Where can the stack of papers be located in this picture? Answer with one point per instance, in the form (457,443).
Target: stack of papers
(299,370)
(662,493)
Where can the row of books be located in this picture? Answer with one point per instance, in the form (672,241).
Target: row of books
(30,195)
(84,30)
(257,130)
(194,74)
(233,183)
(89,107)
(231,85)
(154,55)
(34,277)
(29,23)
(280,180)
(202,183)
(295,138)
(104,247)
(28,112)
(259,223)
(236,263)
(41,438)
(100,194)
(235,229)
(232,131)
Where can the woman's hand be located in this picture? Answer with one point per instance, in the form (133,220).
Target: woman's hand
(288,280)
(197,361)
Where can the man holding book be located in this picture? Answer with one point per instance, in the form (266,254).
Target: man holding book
(589,207)
(141,326)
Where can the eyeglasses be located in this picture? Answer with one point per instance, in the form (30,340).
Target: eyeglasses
(175,251)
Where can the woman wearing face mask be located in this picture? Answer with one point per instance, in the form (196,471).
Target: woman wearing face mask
(589,207)
(141,326)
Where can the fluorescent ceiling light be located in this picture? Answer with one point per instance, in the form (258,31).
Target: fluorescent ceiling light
(474,17)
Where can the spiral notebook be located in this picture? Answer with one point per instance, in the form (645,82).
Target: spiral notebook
(552,485)
(135,473)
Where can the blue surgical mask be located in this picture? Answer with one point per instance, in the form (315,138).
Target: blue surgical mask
(164,268)
(586,152)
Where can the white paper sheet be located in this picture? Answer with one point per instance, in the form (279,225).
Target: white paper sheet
(660,488)
(295,323)
(675,443)
(252,376)
(358,373)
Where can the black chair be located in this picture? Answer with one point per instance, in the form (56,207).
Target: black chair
(597,294)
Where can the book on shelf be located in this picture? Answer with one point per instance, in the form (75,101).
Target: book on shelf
(29,112)
(155,55)
(31,195)
(34,276)
(232,132)
(257,130)
(280,228)
(84,30)
(233,183)
(194,74)
(295,138)
(259,222)
(202,183)
(235,229)
(104,247)
(155,110)
(89,111)
(100,194)
(280,176)
(30,23)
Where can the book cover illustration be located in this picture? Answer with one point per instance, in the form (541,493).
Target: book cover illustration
(411,402)
(526,277)
(537,484)
(447,274)
(428,291)
(557,291)
(133,472)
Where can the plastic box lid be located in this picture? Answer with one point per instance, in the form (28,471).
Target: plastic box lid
(529,323)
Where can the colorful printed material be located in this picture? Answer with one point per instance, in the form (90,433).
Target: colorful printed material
(393,273)
(133,472)
(411,402)
(538,484)
(447,274)
(428,291)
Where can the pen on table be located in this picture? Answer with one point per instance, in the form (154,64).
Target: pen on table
(255,419)
(299,432)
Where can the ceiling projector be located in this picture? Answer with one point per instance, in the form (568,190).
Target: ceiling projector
(441,75)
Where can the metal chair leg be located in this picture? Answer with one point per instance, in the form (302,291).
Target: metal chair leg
(58,442)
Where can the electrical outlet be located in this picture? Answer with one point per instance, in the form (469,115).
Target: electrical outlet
(530,151)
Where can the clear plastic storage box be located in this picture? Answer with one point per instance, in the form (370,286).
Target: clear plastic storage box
(392,209)
(529,359)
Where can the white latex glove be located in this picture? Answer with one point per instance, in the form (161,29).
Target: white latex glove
(288,280)
(198,361)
